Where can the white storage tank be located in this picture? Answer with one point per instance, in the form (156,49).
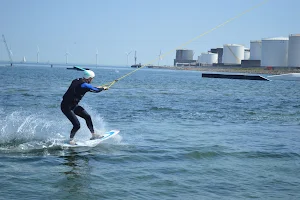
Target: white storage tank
(294,51)
(247,54)
(209,58)
(202,58)
(255,50)
(233,53)
(199,59)
(274,52)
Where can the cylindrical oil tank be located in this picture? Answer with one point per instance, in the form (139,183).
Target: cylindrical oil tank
(274,52)
(233,53)
(247,54)
(294,51)
(255,50)
(199,59)
(184,54)
(209,58)
(202,59)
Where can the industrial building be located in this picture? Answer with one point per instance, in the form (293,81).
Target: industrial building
(274,52)
(247,54)
(184,57)
(208,58)
(218,51)
(233,54)
(255,50)
(267,52)
(294,50)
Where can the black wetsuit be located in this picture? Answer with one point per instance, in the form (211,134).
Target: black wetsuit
(69,105)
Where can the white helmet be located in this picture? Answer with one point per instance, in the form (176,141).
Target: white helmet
(88,74)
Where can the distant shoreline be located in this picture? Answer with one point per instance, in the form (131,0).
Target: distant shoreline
(246,70)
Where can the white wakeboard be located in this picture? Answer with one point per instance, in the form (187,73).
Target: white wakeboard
(93,143)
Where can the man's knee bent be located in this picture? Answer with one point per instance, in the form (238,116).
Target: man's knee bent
(88,118)
(76,127)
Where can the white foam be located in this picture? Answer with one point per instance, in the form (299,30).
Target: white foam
(23,131)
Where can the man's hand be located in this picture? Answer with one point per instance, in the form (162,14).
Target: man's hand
(102,87)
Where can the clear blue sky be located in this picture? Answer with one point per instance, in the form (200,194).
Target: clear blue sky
(147,26)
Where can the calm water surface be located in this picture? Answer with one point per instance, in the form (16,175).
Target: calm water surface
(182,137)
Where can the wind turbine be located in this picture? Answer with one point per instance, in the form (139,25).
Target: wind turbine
(159,57)
(67,54)
(10,54)
(37,54)
(97,52)
(127,54)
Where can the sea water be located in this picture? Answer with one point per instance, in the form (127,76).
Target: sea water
(182,137)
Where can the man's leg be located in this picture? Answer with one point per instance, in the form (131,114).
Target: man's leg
(72,117)
(81,112)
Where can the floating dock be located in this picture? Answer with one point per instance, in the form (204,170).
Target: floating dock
(235,76)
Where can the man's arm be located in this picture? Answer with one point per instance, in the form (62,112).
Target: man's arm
(91,88)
